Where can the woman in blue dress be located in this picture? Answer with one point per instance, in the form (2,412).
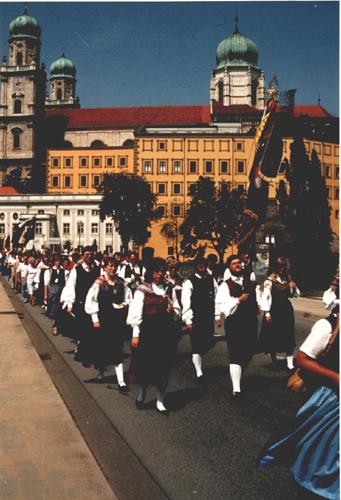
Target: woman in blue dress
(311,449)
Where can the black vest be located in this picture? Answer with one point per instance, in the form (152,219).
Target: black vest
(84,281)
(58,278)
(202,298)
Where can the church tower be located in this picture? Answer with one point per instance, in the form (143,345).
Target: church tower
(237,79)
(63,84)
(22,95)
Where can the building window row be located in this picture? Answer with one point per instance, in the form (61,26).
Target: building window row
(85,161)
(208,166)
(191,145)
(83,181)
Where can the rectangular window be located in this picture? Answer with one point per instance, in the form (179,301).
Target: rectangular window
(2,229)
(66,228)
(177,145)
(336,214)
(55,181)
(327,150)
(176,188)
(337,172)
(208,145)
(190,186)
(327,172)
(161,145)
(109,161)
(336,150)
(317,147)
(96,161)
(193,167)
(55,162)
(66,211)
(177,210)
(177,166)
(94,228)
(192,145)
(96,180)
(67,162)
(208,167)
(336,193)
(161,210)
(39,228)
(83,161)
(147,145)
(170,250)
(241,187)
(108,249)
(147,166)
(240,167)
(224,145)
(67,181)
(328,192)
(41,212)
(108,228)
(162,167)
(239,146)
(83,181)
(161,188)
(122,161)
(80,212)
(94,212)
(224,167)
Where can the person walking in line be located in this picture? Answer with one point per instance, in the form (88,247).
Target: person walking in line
(107,303)
(311,449)
(198,298)
(54,282)
(236,300)
(152,315)
(31,272)
(278,325)
(73,298)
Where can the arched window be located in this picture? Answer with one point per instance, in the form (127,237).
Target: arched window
(97,144)
(68,144)
(59,94)
(17,106)
(128,143)
(19,58)
(16,138)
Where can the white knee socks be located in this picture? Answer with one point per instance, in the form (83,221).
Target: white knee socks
(236,375)
(119,374)
(160,395)
(196,360)
(141,394)
(290,362)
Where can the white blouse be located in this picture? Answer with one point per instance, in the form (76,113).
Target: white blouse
(135,313)
(226,304)
(329,299)
(318,339)
(265,298)
(186,294)
(91,302)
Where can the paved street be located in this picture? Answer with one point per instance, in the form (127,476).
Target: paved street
(206,448)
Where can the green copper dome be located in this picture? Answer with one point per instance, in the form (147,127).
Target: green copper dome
(62,68)
(24,26)
(237,50)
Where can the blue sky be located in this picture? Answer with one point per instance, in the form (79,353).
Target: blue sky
(162,53)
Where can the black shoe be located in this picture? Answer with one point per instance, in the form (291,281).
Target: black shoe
(139,404)
(123,389)
(164,413)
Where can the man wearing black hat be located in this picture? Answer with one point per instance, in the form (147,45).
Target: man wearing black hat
(198,298)
(236,300)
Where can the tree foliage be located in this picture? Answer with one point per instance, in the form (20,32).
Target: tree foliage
(213,219)
(15,179)
(305,211)
(128,200)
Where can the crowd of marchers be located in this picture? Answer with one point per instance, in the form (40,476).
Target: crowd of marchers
(100,301)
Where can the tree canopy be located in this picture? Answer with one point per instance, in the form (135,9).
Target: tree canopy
(128,200)
(213,218)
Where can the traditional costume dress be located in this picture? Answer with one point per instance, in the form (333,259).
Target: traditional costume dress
(73,297)
(279,334)
(152,315)
(241,325)
(54,279)
(197,298)
(311,449)
(106,303)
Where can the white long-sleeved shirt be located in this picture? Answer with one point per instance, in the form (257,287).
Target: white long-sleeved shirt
(318,339)
(186,294)
(68,295)
(135,313)
(265,299)
(330,299)
(225,303)
(91,302)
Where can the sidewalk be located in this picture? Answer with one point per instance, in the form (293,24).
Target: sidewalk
(310,308)
(42,453)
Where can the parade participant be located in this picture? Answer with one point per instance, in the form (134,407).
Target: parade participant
(12,259)
(331,296)
(311,449)
(246,265)
(73,298)
(21,276)
(278,325)
(152,314)
(54,282)
(31,271)
(117,259)
(197,298)
(131,271)
(107,302)
(42,267)
(236,300)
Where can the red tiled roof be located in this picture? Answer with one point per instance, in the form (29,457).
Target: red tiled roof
(5,190)
(313,110)
(235,109)
(133,117)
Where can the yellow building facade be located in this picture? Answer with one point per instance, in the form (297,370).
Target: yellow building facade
(172,161)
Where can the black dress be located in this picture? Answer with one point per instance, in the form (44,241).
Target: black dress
(202,305)
(155,354)
(279,334)
(109,338)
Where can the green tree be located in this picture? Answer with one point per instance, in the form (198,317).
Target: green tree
(14,179)
(213,219)
(305,212)
(128,200)
(170,230)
